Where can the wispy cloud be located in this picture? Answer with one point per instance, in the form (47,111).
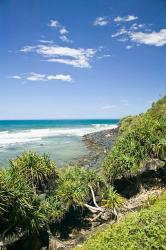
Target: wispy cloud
(35,77)
(125,33)
(46,41)
(153,38)
(123,39)
(53,23)
(104,56)
(76,57)
(80,63)
(125,18)
(139,34)
(129,47)
(101,21)
(42,77)
(120,32)
(65,78)
(63,31)
(16,77)
(64,38)
(136,26)
(27,49)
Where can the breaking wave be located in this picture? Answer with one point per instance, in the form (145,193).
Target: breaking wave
(32,135)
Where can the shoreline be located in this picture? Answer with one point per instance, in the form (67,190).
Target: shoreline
(97,143)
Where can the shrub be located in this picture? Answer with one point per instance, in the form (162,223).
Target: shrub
(73,185)
(142,230)
(143,140)
(39,171)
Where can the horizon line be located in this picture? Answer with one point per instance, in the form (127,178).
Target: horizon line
(43,119)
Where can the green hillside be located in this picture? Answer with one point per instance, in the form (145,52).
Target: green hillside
(142,138)
(143,230)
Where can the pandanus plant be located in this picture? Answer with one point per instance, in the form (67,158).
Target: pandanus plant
(24,208)
(80,187)
(143,140)
(38,170)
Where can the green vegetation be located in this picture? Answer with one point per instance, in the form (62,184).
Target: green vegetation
(142,138)
(137,231)
(73,185)
(22,208)
(111,199)
(35,194)
(126,122)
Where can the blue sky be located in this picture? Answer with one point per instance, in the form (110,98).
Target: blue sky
(81,59)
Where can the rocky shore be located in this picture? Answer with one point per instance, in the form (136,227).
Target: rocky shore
(98,144)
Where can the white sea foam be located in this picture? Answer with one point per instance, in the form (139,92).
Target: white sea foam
(3,132)
(30,136)
(103,125)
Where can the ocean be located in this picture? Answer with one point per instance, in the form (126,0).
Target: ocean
(61,139)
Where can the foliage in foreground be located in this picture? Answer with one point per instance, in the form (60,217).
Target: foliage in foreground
(21,206)
(137,231)
(142,138)
(34,193)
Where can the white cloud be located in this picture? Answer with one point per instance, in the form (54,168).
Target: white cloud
(16,77)
(104,56)
(129,47)
(42,77)
(27,49)
(139,33)
(66,78)
(81,63)
(53,23)
(36,77)
(65,39)
(123,39)
(125,18)
(154,38)
(63,31)
(136,26)
(46,41)
(77,57)
(101,21)
(120,32)
(108,107)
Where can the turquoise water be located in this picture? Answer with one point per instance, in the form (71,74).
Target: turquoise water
(62,139)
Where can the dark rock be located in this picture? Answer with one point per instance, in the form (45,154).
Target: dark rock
(80,239)
(98,144)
